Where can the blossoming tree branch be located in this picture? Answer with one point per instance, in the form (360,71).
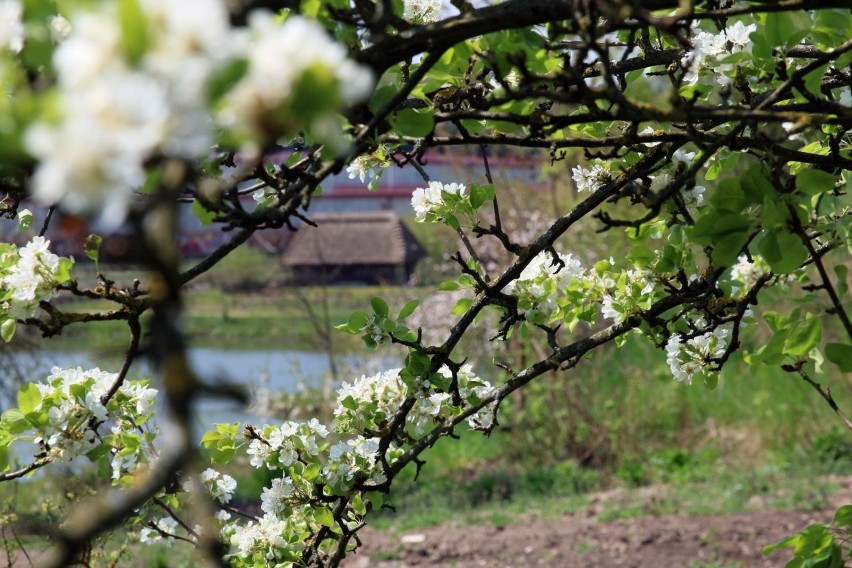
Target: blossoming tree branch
(714,133)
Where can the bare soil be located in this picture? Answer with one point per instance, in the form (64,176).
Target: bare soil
(580,539)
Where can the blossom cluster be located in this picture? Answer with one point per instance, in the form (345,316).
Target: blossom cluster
(315,67)
(263,542)
(166,81)
(11,26)
(436,201)
(29,275)
(369,403)
(281,447)
(544,279)
(690,357)
(164,525)
(746,272)
(693,197)
(709,53)
(220,486)
(589,179)
(422,11)
(370,166)
(557,288)
(625,292)
(295,502)
(63,417)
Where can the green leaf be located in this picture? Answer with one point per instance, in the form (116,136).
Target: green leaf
(7,329)
(29,398)
(14,422)
(641,256)
(804,337)
(773,212)
(408,309)
(134,30)
(225,77)
(324,517)
(311,471)
(376,499)
(409,122)
(314,93)
(710,379)
(25,219)
(461,306)
(814,182)
(417,362)
(843,516)
(842,272)
(223,455)
(357,320)
(358,505)
(210,439)
(379,306)
(728,233)
(479,194)
(63,272)
(756,186)
(729,196)
(782,250)
(204,216)
(473,126)
(92,247)
(841,355)
(449,286)
(98,452)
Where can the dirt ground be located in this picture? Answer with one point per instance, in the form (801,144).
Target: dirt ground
(579,539)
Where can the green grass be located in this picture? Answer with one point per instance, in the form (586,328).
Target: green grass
(274,318)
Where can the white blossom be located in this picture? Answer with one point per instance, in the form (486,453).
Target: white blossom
(11,26)
(31,279)
(369,167)
(688,359)
(278,55)
(429,201)
(544,279)
(738,34)
(747,272)
(60,28)
(422,11)
(274,498)
(608,310)
(589,179)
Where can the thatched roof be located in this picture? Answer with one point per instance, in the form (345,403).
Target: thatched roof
(342,239)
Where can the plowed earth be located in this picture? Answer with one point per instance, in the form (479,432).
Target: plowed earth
(580,539)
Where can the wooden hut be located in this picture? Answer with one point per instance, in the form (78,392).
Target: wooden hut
(367,247)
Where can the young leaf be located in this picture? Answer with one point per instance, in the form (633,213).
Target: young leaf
(408,309)
(813,182)
(134,30)
(29,398)
(379,306)
(92,247)
(412,123)
(841,355)
(324,517)
(7,329)
(25,219)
